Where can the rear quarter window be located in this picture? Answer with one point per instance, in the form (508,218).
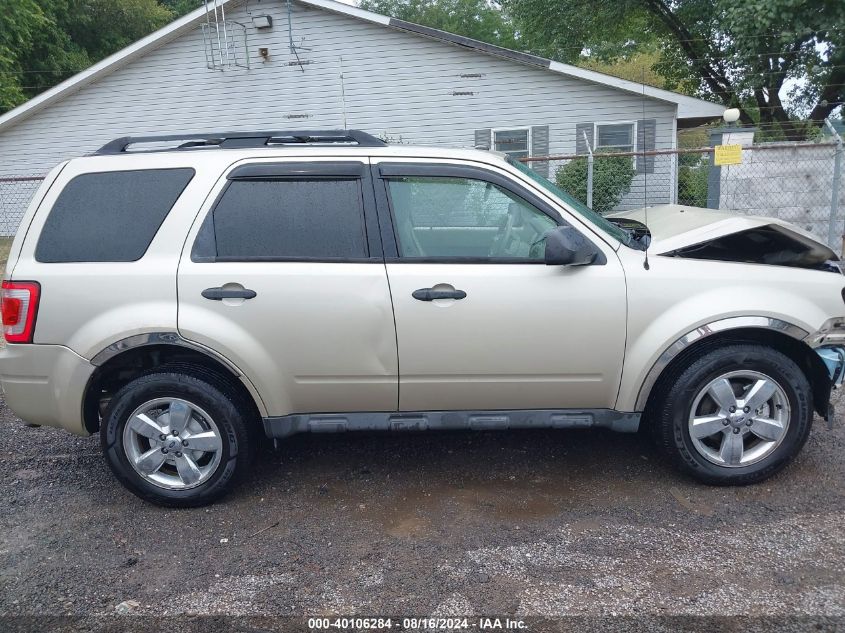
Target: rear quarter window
(109,216)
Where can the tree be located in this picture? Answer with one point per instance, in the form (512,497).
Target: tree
(181,7)
(741,54)
(101,27)
(639,67)
(19,25)
(487,22)
(43,42)
(478,19)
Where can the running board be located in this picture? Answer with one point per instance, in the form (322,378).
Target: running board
(284,426)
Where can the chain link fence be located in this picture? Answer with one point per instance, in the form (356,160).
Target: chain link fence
(15,194)
(800,183)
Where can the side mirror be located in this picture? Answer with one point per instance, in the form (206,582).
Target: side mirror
(567,247)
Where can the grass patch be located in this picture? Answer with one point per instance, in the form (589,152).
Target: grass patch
(5,246)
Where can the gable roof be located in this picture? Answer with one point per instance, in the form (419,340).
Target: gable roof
(688,107)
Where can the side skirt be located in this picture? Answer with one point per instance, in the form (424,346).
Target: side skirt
(284,426)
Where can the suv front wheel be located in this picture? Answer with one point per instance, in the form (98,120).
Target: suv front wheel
(177,439)
(736,415)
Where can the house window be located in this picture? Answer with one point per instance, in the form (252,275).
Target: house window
(515,142)
(615,137)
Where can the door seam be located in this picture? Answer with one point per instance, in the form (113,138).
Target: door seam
(387,278)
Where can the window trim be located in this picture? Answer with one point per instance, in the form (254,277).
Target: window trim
(274,171)
(385,170)
(632,123)
(510,129)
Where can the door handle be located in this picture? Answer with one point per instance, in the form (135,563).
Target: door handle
(218,294)
(430,294)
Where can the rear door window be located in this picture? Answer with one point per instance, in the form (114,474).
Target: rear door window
(109,216)
(286,219)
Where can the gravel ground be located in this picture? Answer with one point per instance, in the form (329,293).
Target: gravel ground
(523,524)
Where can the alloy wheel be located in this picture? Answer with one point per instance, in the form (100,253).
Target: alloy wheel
(739,418)
(172,443)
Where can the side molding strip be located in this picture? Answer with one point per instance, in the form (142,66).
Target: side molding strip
(706,330)
(285,426)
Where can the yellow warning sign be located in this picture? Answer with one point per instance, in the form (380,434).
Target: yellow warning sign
(728,155)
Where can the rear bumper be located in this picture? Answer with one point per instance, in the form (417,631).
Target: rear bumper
(44,384)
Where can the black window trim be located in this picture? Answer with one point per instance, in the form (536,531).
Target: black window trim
(155,233)
(296,171)
(311,171)
(385,171)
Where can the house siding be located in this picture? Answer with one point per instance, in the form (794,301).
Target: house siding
(359,75)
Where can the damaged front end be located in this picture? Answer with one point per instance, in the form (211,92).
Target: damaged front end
(772,244)
(829,343)
(834,359)
(676,231)
(704,234)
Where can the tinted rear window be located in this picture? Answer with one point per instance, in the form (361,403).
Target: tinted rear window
(288,219)
(109,216)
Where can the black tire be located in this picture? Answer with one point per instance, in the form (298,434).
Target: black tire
(678,391)
(212,393)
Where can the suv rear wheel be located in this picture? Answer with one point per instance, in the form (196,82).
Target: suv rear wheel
(176,439)
(736,415)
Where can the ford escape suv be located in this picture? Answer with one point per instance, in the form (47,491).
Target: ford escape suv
(183,295)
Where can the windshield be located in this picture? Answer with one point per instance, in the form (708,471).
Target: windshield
(579,207)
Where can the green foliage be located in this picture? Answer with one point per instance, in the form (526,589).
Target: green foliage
(692,181)
(639,67)
(693,168)
(612,177)
(563,29)
(44,42)
(478,19)
(20,22)
(488,22)
(181,7)
(737,53)
(101,27)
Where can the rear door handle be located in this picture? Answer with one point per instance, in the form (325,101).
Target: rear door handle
(218,294)
(430,294)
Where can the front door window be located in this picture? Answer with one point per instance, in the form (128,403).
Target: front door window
(460,218)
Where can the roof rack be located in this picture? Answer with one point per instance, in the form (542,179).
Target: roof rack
(238,140)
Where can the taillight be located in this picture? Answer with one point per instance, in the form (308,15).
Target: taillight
(19,305)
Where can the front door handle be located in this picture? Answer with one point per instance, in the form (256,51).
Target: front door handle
(430,294)
(218,294)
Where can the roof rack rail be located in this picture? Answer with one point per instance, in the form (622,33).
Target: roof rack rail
(239,140)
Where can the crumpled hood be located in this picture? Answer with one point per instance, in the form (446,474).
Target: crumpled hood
(675,227)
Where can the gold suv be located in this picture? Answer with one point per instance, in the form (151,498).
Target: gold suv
(185,295)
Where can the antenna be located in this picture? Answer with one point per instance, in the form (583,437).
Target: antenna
(645,175)
(293,47)
(342,91)
(225,41)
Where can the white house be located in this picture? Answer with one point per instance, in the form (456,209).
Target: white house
(312,64)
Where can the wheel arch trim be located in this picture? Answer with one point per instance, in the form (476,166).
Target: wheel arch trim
(704,331)
(157,338)
(175,339)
